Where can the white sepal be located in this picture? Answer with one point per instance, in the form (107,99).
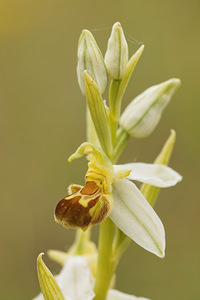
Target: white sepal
(154,174)
(117,295)
(136,218)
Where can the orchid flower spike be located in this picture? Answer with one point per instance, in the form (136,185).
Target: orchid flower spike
(108,191)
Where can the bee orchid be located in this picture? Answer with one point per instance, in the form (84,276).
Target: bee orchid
(109,191)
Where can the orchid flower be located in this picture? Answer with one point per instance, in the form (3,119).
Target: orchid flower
(108,191)
(75,282)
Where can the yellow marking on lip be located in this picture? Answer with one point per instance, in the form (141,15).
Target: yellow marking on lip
(90,192)
(85,200)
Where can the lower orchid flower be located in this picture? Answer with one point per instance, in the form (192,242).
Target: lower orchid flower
(108,191)
(75,282)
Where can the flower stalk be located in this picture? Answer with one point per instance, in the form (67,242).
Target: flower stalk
(106,264)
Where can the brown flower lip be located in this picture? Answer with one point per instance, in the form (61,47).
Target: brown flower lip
(85,206)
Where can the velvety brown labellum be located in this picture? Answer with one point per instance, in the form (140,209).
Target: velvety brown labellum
(86,206)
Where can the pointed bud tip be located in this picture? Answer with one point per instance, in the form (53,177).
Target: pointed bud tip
(70,158)
(170,85)
(173,134)
(39,258)
(140,51)
(86,75)
(162,255)
(85,31)
(142,47)
(88,79)
(117,24)
(161,249)
(174,81)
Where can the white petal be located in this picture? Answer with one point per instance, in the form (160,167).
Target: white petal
(154,174)
(76,280)
(136,218)
(116,295)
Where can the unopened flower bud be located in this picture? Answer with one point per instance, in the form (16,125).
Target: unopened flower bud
(142,115)
(116,57)
(90,59)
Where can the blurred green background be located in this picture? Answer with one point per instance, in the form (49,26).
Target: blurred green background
(42,123)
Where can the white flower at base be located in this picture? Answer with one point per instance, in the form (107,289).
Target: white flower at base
(76,282)
(108,193)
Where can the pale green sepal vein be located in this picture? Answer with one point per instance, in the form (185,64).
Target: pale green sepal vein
(98,114)
(151,192)
(48,284)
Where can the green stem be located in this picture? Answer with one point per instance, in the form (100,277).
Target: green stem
(121,142)
(106,265)
(109,251)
